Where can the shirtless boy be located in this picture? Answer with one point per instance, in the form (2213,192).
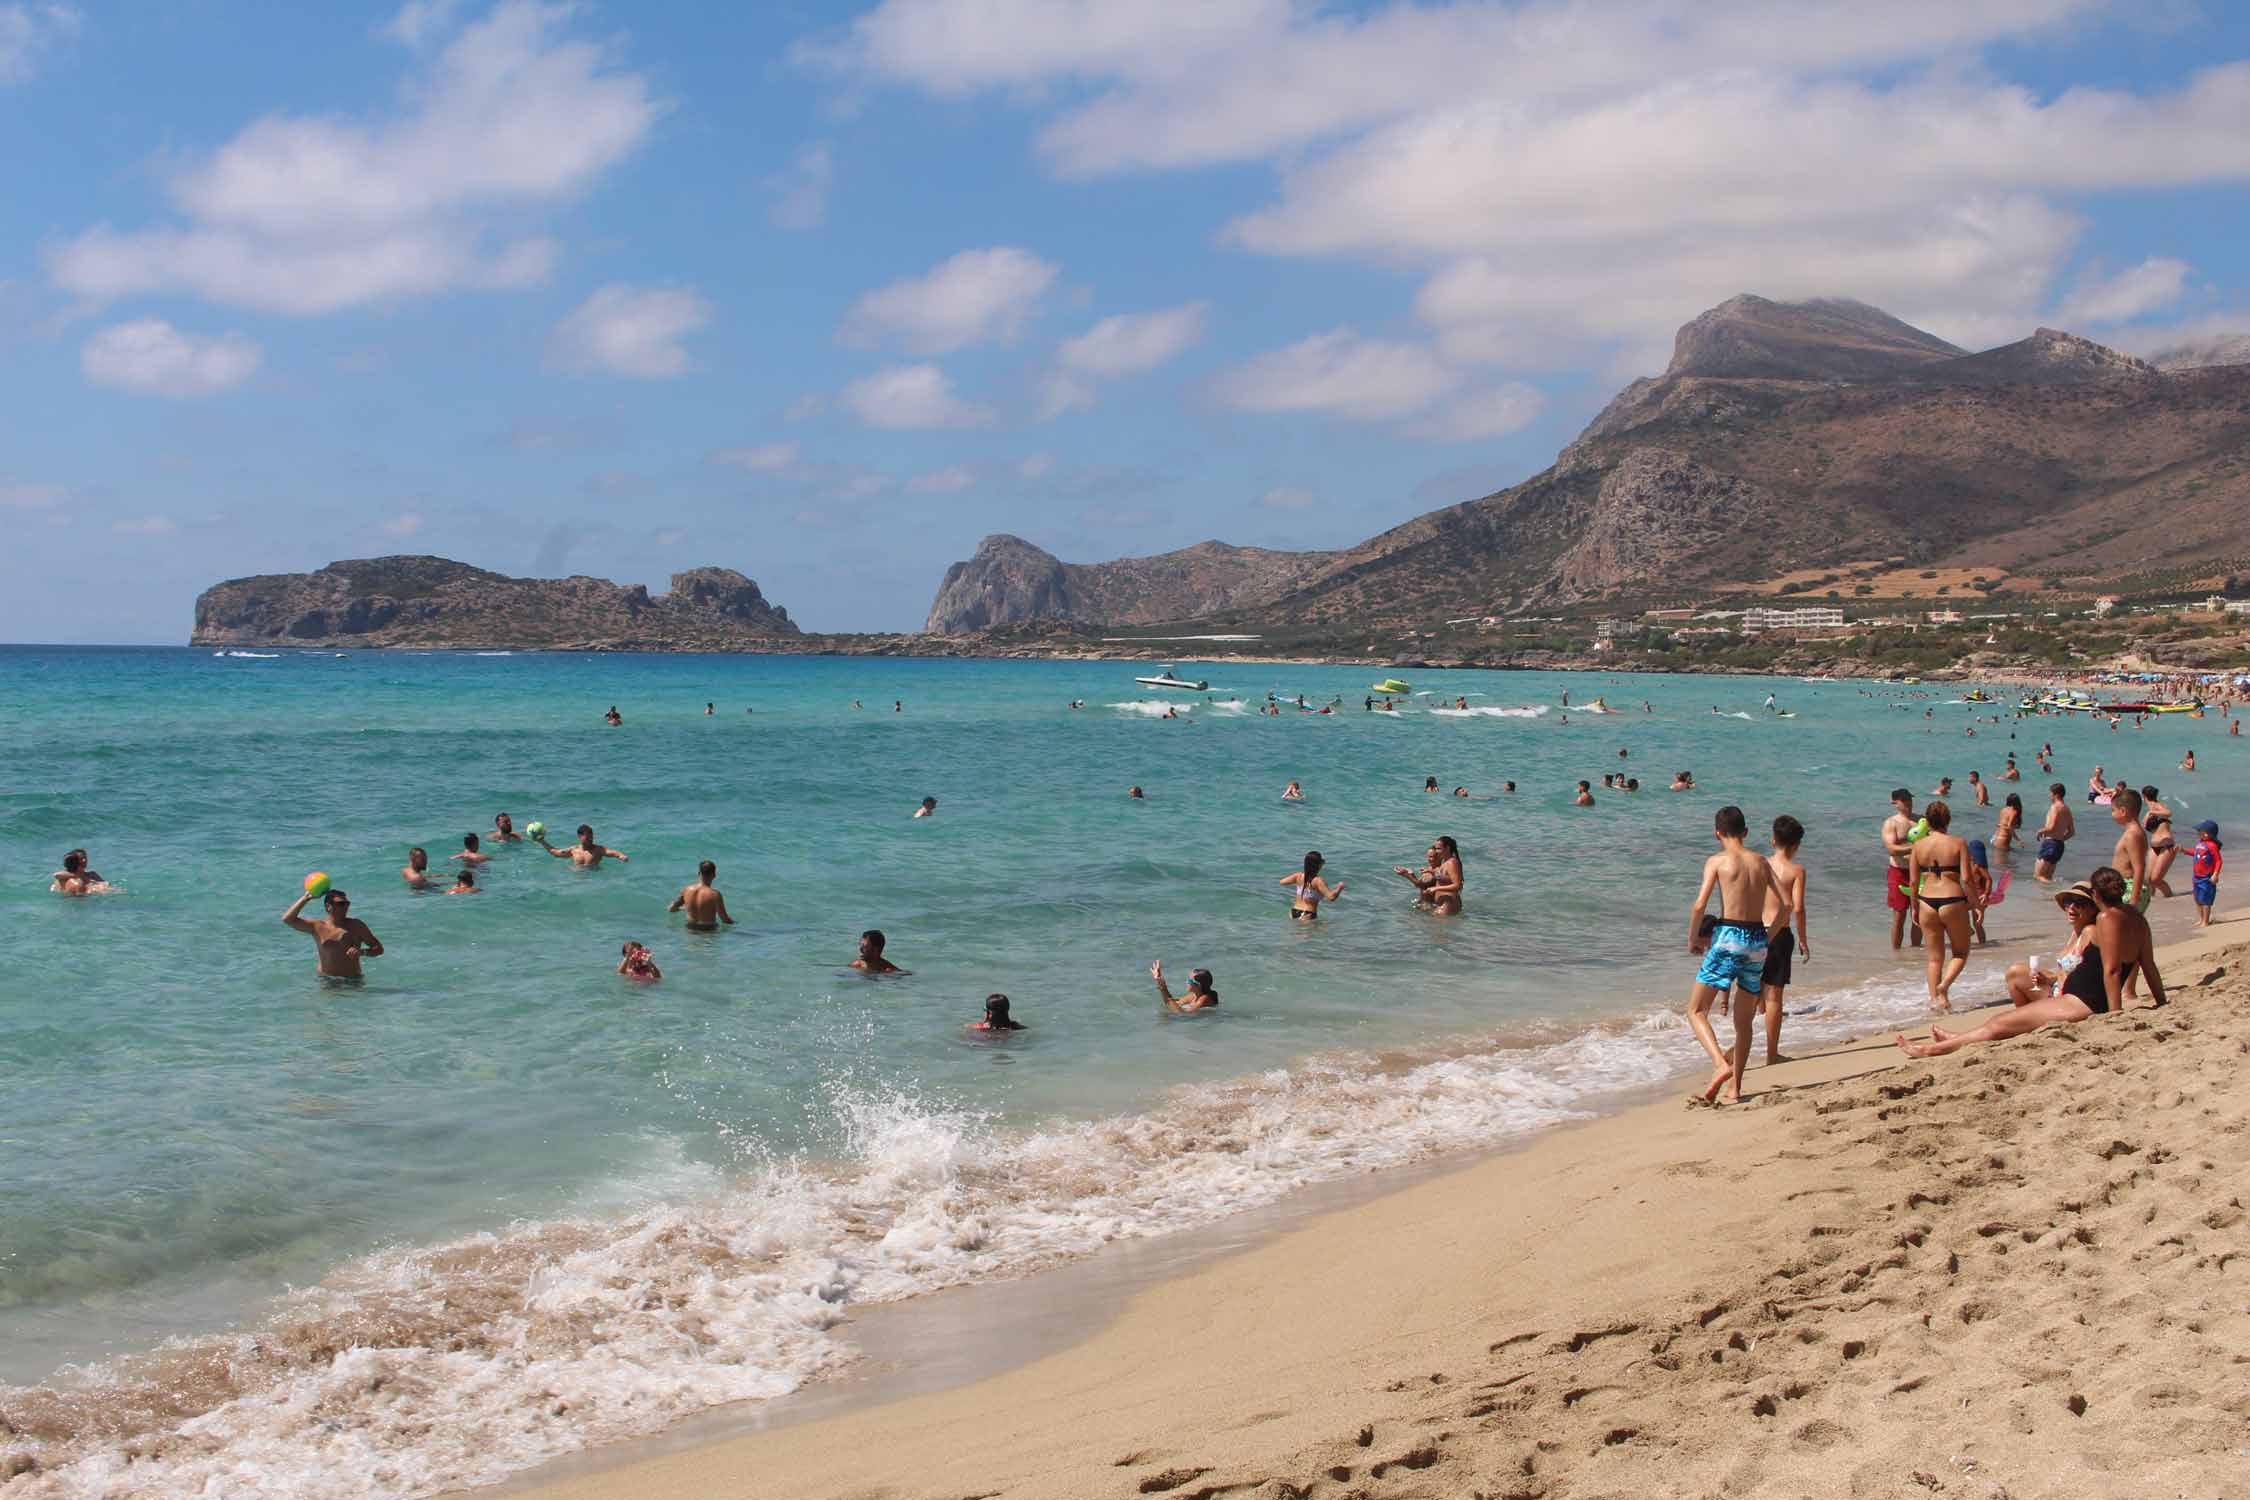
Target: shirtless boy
(343,939)
(585,854)
(2056,833)
(704,906)
(1736,956)
(2130,858)
(1897,845)
(1786,941)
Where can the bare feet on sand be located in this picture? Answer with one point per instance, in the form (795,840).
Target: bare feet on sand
(1718,1081)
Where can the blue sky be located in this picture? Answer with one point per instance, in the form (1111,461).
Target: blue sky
(826,293)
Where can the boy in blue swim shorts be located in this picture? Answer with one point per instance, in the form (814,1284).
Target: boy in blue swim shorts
(1733,946)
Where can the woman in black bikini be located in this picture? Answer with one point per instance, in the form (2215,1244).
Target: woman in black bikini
(2076,988)
(1310,888)
(2162,847)
(1933,873)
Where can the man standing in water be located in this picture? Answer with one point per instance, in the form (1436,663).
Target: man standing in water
(585,854)
(2056,833)
(704,906)
(417,871)
(1898,844)
(343,939)
(1734,951)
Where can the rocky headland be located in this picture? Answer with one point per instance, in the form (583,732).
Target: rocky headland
(433,603)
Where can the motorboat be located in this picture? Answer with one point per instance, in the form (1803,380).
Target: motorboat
(1165,679)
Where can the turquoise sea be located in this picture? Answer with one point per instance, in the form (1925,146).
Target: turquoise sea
(497,1203)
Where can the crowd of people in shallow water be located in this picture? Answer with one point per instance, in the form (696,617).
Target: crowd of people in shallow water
(1938,889)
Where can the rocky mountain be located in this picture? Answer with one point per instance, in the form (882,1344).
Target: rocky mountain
(434,603)
(1010,580)
(2201,354)
(1822,435)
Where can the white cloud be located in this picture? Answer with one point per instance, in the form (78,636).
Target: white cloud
(629,330)
(911,396)
(30,30)
(1287,497)
(975,297)
(941,481)
(147,526)
(152,358)
(403,525)
(1035,467)
(1577,177)
(419,21)
(759,458)
(308,214)
(800,193)
(1131,343)
(2132,293)
(1482,414)
(19,496)
(1366,379)
(1127,344)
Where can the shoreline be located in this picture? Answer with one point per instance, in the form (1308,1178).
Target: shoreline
(1360,1330)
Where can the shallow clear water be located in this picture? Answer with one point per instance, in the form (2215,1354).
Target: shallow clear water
(190,1122)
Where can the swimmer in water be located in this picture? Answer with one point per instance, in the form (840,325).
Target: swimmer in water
(464,883)
(417,871)
(1292,793)
(613,718)
(471,853)
(871,960)
(74,879)
(708,710)
(927,809)
(996,1016)
(1507,786)
(704,906)
(1135,794)
(1200,995)
(637,963)
(1684,781)
(1310,888)
(1429,784)
(1585,797)
(504,830)
(585,854)
(1440,881)
(341,939)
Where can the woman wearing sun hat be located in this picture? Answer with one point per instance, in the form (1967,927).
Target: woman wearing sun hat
(2074,990)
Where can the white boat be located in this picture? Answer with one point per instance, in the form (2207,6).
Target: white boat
(1165,679)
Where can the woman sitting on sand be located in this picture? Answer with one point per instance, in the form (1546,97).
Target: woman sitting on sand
(1311,889)
(1936,873)
(2070,992)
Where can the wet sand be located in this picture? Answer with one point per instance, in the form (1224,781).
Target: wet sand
(2023,1270)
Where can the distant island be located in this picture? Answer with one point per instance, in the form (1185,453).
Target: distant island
(433,603)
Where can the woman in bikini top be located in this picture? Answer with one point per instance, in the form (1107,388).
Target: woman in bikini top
(1311,889)
(1933,874)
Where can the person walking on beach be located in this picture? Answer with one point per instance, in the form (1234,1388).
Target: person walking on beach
(2163,848)
(2130,857)
(1733,948)
(585,854)
(1310,888)
(416,874)
(1786,941)
(2056,833)
(704,906)
(1936,872)
(1898,843)
(1199,996)
(340,939)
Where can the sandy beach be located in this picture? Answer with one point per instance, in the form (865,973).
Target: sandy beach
(2017,1271)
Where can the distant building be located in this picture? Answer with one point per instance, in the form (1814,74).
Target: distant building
(1700,632)
(1667,616)
(1810,617)
(2238,606)
(1609,629)
(2104,605)
(1945,617)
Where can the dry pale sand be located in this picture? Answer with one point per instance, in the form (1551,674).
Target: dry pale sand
(2021,1271)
